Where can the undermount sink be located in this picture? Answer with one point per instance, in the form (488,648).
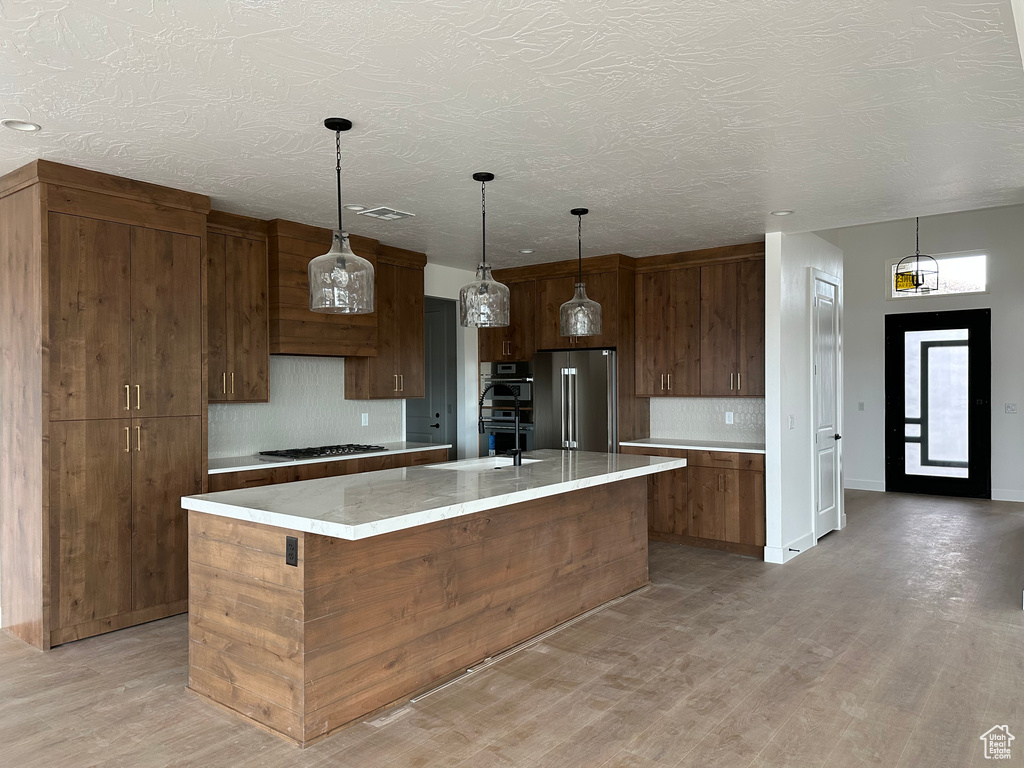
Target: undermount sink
(477,465)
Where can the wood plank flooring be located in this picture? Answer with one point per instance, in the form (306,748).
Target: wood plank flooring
(896,642)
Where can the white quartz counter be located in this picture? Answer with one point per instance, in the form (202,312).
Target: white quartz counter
(695,445)
(255,461)
(374,503)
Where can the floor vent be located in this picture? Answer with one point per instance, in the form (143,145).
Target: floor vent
(386,214)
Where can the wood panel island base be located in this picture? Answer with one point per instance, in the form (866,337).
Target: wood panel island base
(358,625)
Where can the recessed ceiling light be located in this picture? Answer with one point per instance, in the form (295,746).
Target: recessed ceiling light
(526,250)
(354,207)
(782,213)
(20,125)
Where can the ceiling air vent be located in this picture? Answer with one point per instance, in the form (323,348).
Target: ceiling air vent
(386,214)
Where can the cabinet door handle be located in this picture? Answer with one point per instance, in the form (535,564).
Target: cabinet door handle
(401,382)
(138,398)
(663,382)
(396,382)
(232,382)
(138,438)
(127,440)
(738,380)
(224,383)
(732,379)
(670,382)
(127,397)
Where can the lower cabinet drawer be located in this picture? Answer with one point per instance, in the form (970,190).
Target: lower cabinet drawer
(723,460)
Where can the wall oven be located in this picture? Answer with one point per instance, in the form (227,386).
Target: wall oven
(497,410)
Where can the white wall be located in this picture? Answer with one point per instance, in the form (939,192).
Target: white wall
(444,283)
(997,231)
(307,407)
(789,452)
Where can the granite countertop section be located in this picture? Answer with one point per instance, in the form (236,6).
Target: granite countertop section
(695,445)
(374,503)
(245,463)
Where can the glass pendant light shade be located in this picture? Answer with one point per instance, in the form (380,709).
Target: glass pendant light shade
(580,316)
(485,302)
(341,283)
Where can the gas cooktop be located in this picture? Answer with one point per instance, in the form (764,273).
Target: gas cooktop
(324,451)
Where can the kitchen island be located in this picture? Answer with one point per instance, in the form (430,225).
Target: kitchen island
(315,603)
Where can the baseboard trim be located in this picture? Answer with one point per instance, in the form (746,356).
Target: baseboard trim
(1001,494)
(863,485)
(785,554)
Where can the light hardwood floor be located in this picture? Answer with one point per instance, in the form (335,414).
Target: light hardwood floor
(896,642)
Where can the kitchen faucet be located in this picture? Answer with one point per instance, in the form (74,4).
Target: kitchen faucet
(517,453)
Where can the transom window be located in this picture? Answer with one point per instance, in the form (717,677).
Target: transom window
(958,273)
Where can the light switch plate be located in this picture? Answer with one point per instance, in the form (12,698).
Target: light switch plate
(728,417)
(366,420)
(1010,407)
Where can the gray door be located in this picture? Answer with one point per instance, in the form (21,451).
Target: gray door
(432,418)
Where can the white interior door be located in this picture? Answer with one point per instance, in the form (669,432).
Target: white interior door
(826,394)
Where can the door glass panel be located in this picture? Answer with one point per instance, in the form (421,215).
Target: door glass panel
(936,405)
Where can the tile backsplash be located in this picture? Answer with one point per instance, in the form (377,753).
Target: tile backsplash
(703,418)
(307,407)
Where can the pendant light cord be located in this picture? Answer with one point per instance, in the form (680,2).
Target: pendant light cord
(337,139)
(483,221)
(579,241)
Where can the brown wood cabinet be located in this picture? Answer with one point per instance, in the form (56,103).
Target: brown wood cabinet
(294,329)
(732,329)
(103,398)
(700,323)
(717,501)
(516,342)
(397,371)
(237,309)
(668,361)
(254,478)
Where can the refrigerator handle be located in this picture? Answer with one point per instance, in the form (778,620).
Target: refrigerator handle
(564,414)
(572,408)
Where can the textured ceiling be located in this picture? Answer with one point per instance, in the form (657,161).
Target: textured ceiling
(679,124)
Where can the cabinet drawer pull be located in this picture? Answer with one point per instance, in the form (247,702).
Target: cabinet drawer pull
(138,438)
(127,397)
(232,382)
(138,398)
(720,477)
(127,440)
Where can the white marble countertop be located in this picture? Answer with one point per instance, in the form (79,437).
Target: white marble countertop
(255,461)
(695,445)
(374,503)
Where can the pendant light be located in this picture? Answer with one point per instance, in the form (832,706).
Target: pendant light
(484,303)
(340,283)
(918,273)
(580,316)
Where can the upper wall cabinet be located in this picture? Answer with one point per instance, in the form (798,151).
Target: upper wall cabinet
(700,323)
(237,309)
(294,329)
(397,371)
(732,330)
(553,292)
(668,333)
(516,342)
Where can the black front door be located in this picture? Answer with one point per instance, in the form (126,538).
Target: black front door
(938,422)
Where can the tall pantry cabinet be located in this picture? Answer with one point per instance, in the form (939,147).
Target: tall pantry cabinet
(103,398)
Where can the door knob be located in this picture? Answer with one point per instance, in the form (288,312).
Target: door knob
(435,426)
(838,436)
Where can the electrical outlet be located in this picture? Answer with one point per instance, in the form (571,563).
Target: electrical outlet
(860,405)
(792,421)
(291,551)
(728,417)
(366,420)
(1010,408)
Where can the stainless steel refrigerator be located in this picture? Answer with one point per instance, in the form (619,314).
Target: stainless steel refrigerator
(574,400)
